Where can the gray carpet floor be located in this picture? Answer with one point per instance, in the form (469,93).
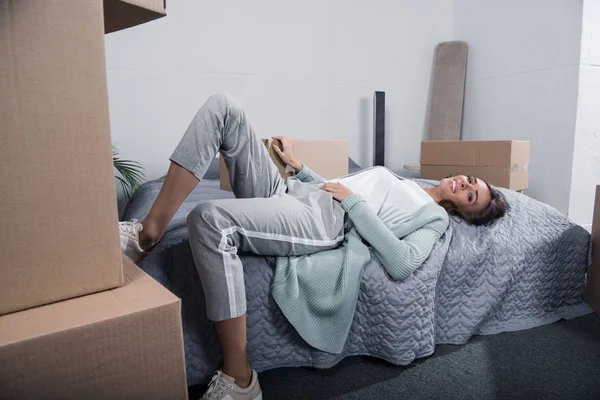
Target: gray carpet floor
(556,361)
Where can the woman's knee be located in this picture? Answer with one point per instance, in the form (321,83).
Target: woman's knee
(202,220)
(225,104)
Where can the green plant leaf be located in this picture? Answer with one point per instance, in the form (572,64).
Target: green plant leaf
(126,188)
(129,174)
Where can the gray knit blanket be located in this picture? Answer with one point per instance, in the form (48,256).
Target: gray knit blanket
(524,271)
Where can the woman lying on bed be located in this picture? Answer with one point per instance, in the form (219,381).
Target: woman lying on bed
(271,217)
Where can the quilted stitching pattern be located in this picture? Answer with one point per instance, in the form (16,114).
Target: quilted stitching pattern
(531,273)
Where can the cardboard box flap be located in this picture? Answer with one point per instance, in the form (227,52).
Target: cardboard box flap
(140,292)
(470,153)
(123,14)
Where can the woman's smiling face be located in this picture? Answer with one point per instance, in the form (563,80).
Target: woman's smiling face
(467,192)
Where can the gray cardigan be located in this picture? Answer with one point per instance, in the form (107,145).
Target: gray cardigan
(318,293)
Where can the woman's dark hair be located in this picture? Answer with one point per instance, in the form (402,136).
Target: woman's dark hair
(497,208)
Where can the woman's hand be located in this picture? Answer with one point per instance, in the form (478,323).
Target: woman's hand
(286,153)
(337,190)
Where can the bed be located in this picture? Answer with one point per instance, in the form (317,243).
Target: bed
(526,270)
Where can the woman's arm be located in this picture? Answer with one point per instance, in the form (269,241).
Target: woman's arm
(400,257)
(307,175)
(303,173)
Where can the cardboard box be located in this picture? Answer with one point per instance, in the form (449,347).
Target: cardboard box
(327,157)
(122,14)
(502,163)
(126,343)
(592,282)
(59,236)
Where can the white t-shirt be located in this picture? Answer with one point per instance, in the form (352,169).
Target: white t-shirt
(393,200)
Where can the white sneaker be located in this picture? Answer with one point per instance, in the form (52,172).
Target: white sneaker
(130,239)
(223,387)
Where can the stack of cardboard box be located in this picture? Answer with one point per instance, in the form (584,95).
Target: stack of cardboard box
(71,326)
(503,163)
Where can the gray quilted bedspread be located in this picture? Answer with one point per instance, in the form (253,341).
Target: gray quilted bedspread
(526,270)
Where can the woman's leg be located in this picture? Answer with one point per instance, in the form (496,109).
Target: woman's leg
(178,184)
(221,125)
(281,225)
(232,334)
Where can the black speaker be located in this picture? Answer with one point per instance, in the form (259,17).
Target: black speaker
(379,128)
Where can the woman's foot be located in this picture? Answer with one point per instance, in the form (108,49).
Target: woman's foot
(223,387)
(136,239)
(129,232)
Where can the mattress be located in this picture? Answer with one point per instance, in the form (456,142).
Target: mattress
(525,270)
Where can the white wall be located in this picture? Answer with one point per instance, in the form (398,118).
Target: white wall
(302,68)
(522,83)
(586,154)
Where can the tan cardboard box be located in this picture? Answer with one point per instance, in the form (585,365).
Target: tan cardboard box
(502,163)
(125,343)
(592,282)
(58,237)
(327,157)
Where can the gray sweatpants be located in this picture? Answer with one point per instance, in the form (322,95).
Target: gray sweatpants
(268,216)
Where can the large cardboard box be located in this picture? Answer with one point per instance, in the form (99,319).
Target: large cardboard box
(327,157)
(58,237)
(125,343)
(592,282)
(503,163)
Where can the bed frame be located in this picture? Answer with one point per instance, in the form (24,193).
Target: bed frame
(592,282)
